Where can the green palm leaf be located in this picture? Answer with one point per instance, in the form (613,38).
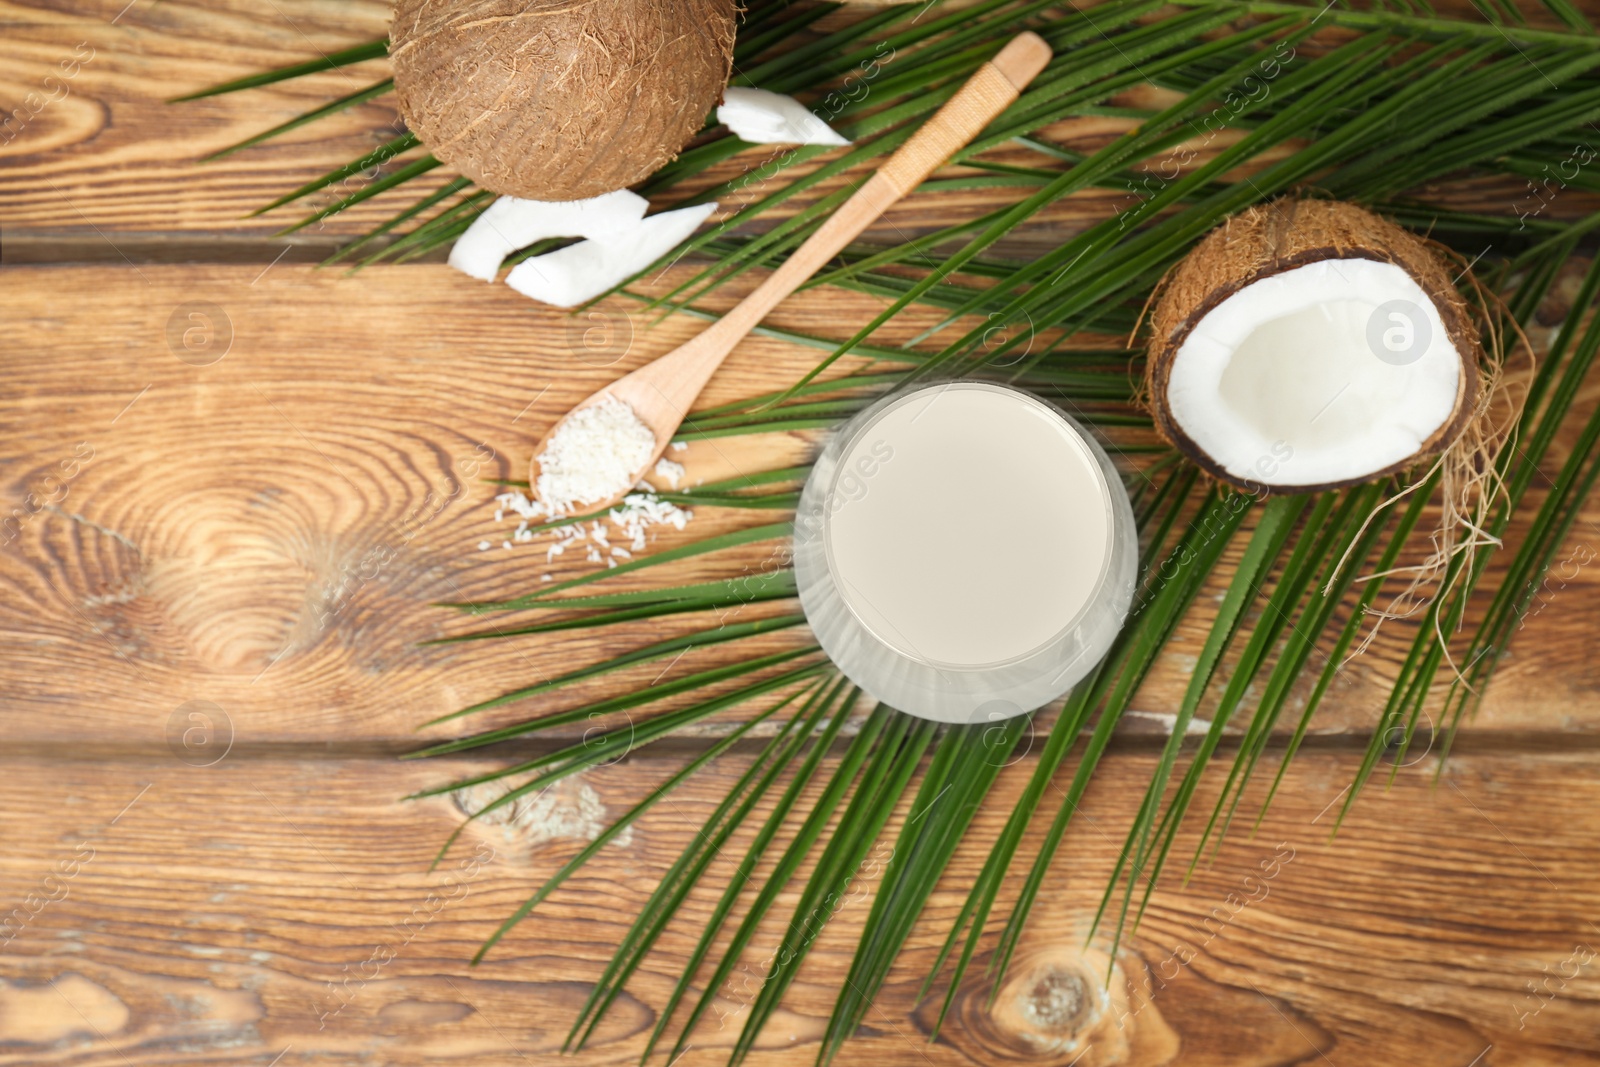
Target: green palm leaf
(341,58)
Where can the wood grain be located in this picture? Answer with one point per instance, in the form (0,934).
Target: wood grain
(268,531)
(105,154)
(169,914)
(231,486)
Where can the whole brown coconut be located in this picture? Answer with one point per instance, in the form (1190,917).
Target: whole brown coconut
(1274,347)
(559,99)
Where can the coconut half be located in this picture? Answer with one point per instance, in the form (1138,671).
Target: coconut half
(1307,345)
(555,99)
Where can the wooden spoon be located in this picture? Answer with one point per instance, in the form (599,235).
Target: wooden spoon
(662,391)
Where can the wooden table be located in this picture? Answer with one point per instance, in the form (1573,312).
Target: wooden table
(251,529)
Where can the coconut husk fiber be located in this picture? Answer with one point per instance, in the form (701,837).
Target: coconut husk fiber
(1280,236)
(559,99)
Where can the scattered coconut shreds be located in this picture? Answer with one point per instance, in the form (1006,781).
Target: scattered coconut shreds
(511,223)
(672,472)
(594,456)
(579,272)
(632,522)
(640,511)
(762,117)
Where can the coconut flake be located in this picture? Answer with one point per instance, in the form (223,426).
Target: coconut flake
(569,276)
(762,117)
(672,472)
(511,223)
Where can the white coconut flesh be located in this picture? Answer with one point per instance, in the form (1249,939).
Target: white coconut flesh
(511,223)
(758,116)
(579,272)
(1325,373)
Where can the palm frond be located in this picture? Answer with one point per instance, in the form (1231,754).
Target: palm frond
(344,103)
(375,158)
(606,836)
(344,57)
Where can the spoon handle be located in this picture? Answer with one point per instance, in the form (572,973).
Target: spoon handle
(663,391)
(988,92)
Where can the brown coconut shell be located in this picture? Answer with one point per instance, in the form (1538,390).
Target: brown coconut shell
(559,99)
(1279,236)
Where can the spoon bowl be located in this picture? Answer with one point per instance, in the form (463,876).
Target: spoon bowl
(660,393)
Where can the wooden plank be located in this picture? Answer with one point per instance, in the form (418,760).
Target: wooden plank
(96,150)
(162,914)
(257,585)
(268,532)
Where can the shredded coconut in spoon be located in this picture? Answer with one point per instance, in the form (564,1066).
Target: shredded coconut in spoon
(595,455)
